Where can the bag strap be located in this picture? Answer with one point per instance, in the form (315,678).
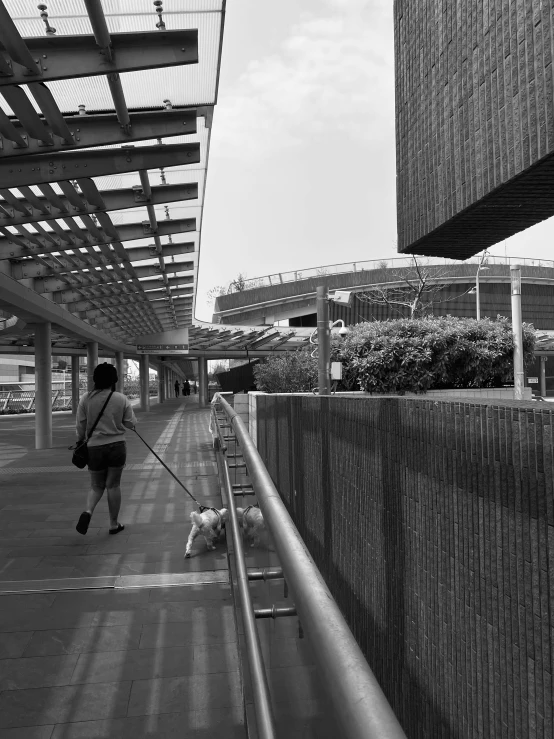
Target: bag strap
(99,416)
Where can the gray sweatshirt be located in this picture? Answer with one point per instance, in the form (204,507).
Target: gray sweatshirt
(117,416)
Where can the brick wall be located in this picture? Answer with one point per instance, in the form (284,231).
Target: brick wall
(433,525)
(475,122)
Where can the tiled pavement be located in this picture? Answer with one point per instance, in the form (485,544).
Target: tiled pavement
(119,661)
(114,662)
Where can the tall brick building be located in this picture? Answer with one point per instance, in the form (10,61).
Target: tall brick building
(475,122)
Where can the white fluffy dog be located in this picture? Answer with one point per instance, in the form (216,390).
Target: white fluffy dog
(253,524)
(208,523)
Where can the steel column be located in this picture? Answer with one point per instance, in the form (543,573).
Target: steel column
(323,341)
(517,328)
(144,364)
(161,388)
(202,382)
(43,386)
(542,369)
(92,361)
(74,383)
(120,371)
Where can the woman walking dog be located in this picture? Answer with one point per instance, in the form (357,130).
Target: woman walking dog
(107,450)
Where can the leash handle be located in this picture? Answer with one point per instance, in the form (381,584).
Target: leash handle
(167,468)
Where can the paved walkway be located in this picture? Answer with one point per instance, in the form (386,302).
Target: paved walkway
(147,644)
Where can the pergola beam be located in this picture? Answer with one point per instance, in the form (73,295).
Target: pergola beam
(69,57)
(13,247)
(40,168)
(141,253)
(42,207)
(157,284)
(101,130)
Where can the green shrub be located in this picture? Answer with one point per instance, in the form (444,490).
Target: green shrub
(289,372)
(416,355)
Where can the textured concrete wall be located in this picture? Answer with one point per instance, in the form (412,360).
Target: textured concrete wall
(475,121)
(537,295)
(432,522)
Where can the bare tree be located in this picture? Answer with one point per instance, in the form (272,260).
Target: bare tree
(415,288)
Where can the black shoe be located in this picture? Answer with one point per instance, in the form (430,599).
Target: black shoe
(83,523)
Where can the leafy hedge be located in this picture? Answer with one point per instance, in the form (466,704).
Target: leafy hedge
(289,372)
(408,355)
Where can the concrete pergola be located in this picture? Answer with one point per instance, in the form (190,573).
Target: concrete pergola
(105,125)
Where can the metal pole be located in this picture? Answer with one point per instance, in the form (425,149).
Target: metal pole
(260,689)
(477,296)
(323,341)
(144,364)
(515,272)
(92,361)
(353,691)
(43,386)
(542,369)
(202,381)
(74,383)
(120,372)
(161,388)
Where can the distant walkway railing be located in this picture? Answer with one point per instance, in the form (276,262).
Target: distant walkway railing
(23,401)
(279,278)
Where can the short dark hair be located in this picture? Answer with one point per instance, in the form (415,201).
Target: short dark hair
(104,376)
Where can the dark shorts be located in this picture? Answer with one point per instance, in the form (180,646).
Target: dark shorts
(107,458)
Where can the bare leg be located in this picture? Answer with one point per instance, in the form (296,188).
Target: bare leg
(114,505)
(192,536)
(114,494)
(93,498)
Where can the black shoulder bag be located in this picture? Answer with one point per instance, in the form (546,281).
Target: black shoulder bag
(80,453)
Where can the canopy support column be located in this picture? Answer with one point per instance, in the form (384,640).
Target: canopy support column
(74,383)
(43,386)
(92,361)
(202,382)
(120,372)
(161,386)
(144,364)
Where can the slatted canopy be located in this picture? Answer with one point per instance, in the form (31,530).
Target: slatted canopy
(105,122)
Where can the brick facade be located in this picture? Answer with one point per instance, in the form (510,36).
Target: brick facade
(475,122)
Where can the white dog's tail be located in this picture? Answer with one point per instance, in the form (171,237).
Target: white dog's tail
(196,518)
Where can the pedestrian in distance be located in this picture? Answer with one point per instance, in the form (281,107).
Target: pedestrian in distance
(107,450)
(186,388)
(194,387)
(176,388)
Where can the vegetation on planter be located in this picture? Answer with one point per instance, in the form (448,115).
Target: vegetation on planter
(288,372)
(416,355)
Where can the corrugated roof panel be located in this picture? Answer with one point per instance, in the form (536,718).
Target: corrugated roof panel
(73,10)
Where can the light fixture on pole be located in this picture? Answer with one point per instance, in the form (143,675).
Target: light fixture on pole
(341,297)
(477,294)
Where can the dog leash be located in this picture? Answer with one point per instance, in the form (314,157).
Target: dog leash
(201,508)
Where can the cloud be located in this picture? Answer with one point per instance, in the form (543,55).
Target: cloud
(333,74)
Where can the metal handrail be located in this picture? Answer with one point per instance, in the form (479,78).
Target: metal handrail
(262,701)
(280,278)
(359,704)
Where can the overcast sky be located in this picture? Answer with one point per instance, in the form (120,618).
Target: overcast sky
(302,160)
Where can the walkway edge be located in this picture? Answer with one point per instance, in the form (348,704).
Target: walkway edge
(117,582)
